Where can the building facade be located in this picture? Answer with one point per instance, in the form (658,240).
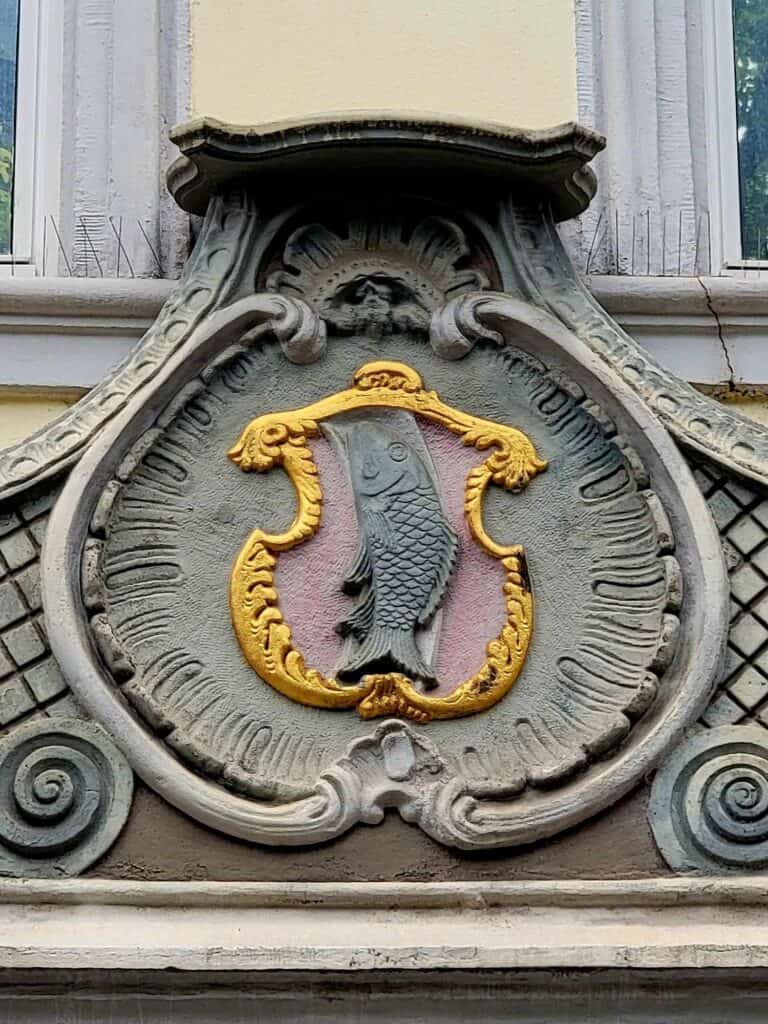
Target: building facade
(383,511)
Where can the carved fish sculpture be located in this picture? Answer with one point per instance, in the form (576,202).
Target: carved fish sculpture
(407,552)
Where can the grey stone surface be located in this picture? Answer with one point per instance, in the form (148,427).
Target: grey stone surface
(743,685)
(29,582)
(15,701)
(65,793)
(412,151)
(17,549)
(11,605)
(24,643)
(709,802)
(45,680)
(485,382)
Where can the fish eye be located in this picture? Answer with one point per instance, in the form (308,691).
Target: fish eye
(398,451)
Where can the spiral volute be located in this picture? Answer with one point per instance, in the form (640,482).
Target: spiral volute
(65,793)
(709,805)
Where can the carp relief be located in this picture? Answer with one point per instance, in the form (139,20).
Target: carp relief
(368,540)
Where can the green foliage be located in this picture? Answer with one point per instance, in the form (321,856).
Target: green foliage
(750,22)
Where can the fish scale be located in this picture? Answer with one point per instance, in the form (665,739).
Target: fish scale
(404,585)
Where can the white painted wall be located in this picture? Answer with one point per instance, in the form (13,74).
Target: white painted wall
(125,68)
(642,82)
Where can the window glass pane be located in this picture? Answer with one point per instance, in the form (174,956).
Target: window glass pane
(9,44)
(750,24)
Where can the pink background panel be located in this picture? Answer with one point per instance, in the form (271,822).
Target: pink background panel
(309,577)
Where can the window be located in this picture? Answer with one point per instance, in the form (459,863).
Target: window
(30,127)
(9,44)
(750,37)
(736,44)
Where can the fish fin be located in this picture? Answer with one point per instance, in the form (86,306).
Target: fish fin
(359,571)
(447,566)
(385,649)
(359,621)
(377,528)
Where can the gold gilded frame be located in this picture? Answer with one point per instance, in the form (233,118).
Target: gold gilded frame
(280,439)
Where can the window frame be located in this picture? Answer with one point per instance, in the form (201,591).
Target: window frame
(722,135)
(37,135)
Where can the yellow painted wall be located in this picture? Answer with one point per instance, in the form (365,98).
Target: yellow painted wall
(754,408)
(511,61)
(22,414)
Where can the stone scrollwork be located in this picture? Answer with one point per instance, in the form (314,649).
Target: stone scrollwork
(709,803)
(213,277)
(281,439)
(65,794)
(380,310)
(545,275)
(210,736)
(378,278)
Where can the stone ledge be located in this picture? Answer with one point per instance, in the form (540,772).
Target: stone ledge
(83,297)
(76,329)
(684,296)
(91,924)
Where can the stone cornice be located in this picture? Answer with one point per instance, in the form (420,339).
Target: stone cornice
(650,923)
(388,145)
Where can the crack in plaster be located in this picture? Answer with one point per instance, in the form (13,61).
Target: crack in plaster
(720,335)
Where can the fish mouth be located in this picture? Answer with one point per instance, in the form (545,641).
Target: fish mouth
(371,491)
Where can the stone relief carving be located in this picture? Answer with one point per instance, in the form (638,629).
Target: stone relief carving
(406,552)
(380,277)
(709,802)
(65,794)
(605,569)
(140,575)
(545,275)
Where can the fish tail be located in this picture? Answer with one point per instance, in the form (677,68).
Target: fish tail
(386,649)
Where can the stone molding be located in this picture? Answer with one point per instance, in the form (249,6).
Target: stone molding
(709,330)
(406,147)
(387,926)
(70,333)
